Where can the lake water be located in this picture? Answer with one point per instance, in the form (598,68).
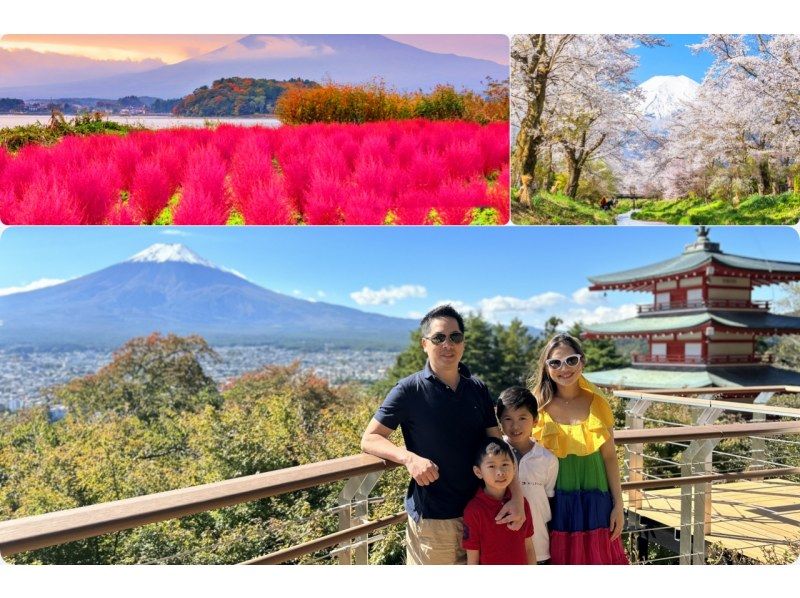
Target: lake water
(151,122)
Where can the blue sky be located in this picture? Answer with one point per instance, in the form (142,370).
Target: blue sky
(527,272)
(674,59)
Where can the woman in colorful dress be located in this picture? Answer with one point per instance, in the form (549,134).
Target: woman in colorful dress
(576,424)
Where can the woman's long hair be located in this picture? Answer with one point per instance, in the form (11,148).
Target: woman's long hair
(542,385)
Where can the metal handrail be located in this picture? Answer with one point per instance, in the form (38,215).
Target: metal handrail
(39,531)
(699,360)
(294,552)
(703,304)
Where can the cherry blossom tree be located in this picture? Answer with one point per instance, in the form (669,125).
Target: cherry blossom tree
(573,102)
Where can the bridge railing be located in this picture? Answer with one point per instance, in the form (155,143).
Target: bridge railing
(702,457)
(360,474)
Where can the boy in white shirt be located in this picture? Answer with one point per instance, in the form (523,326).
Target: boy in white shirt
(537,467)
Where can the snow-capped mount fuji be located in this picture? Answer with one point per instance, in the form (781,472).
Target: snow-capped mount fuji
(666,94)
(170,252)
(169,288)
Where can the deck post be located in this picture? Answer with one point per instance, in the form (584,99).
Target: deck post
(345,515)
(758,447)
(361,515)
(693,514)
(708,416)
(687,511)
(702,501)
(634,464)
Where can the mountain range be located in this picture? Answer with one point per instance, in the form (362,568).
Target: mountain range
(341,58)
(169,288)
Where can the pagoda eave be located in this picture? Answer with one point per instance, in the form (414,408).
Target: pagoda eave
(645,334)
(757,278)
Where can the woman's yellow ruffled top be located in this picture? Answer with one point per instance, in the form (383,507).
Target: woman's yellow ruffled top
(579,439)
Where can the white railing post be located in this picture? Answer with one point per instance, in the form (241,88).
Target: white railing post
(353,509)
(758,447)
(634,464)
(361,515)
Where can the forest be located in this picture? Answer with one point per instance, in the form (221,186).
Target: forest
(236,96)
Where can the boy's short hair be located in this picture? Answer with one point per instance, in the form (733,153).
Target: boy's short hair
(515,397)
(491,446)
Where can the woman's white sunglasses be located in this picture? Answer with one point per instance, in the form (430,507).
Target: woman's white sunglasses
(571,361)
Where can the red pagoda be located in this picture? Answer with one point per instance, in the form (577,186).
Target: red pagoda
(702,324)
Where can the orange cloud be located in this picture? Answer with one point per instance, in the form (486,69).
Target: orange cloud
(166,48)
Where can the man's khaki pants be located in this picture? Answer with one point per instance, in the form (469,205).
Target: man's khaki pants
(435,542)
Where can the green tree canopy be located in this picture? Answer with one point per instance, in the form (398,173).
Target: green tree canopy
(146,376)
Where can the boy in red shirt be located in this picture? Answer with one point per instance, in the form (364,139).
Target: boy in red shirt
(486,542)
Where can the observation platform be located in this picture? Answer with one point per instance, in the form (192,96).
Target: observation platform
(756,518)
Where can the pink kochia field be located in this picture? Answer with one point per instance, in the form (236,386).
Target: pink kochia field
(391,172)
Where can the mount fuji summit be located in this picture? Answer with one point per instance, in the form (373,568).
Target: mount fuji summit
(665,94)
(171,289)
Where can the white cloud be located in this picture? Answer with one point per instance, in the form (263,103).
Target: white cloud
(297,292)
(500,307)
(417,315)
(321,294)
(584,296)
(459,306)
(581,305)
(388,295)
(36,284)
(601,313)
(174,232)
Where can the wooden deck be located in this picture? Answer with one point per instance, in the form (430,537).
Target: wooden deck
(756,518)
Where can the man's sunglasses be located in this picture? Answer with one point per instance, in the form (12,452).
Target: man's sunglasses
(571,361)
(437,339)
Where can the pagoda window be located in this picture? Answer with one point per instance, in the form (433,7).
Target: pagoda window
(658,349)
(694,297)
(693,352)
(663,300)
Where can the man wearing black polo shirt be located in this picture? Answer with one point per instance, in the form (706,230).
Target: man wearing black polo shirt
(444,412)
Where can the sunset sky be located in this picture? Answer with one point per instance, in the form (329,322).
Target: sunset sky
(170,49)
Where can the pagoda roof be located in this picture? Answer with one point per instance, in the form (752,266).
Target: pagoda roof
(758,321)
(696,255)
(642,378)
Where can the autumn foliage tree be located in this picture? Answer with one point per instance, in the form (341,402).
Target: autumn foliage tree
(146,377)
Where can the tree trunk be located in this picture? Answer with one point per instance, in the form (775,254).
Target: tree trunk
(550,179)
(574,169)
(529,138)
(763,177)
(523,158)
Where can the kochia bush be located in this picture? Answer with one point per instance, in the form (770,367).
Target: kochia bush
(388,172)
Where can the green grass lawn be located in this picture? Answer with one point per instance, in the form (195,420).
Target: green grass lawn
(549,208)
(755,209)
